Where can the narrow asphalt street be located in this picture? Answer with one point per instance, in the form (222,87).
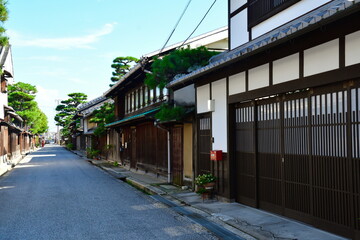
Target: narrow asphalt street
(54,194)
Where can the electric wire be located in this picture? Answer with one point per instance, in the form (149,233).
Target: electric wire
(172,32)
(199,23)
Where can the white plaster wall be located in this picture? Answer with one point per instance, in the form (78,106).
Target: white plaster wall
(321,58)
(285,16)
(85,126)
(219,116)
(2,112)
(352,48)
(223,44)
(235,4)
(237,83)
(238,28)
(259,77)
(3,102)
(219,38)
(8,64)
(202,97)
(286,69)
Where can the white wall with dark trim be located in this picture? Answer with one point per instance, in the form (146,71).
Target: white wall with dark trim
(286,16)
(202,97)
(219,115)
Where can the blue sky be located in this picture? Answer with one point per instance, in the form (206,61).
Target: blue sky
(68,46)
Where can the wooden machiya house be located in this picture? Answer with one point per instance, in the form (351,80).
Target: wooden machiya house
(83,134)
(142,145)
(164,149)
(14,141)
(284,107)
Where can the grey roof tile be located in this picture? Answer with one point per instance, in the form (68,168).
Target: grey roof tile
(296,25)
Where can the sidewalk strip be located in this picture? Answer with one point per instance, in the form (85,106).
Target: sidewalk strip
(217,230)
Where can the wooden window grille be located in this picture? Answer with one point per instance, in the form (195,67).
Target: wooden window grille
(260,10)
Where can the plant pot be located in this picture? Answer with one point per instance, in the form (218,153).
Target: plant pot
(209,185)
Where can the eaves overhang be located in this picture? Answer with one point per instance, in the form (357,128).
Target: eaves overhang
(132,118)
(324,15)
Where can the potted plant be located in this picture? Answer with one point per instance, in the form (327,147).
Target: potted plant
(205,184)
(205,180)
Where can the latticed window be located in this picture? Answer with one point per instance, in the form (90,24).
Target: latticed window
(260,10)
(136,99)
(146,95)
(132,101)
(158,93)
(141,97)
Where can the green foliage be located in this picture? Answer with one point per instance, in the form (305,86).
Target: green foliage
(180,61)
(116,164)
(70,146)
(168,113)
(122,66)
(21,97)
(4,40)
(202,190)
(92,153)
(66,111)
(204,178)
(103,116)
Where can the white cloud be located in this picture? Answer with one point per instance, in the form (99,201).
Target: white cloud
(61,43)
(46,97)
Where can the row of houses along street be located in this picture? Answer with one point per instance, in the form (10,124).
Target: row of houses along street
(15,140)
(280,108)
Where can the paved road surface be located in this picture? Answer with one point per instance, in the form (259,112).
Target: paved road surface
(54,194)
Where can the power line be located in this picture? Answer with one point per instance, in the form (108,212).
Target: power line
(199,23)
(172,32)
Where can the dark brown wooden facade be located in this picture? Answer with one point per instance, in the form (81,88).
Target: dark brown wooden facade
(142,146)
(293,147)
(145,148)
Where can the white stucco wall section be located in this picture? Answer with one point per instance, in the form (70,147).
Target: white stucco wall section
(3,102)
(2,111)
(352,48)
(286,69)
(237,83)
(238,29)
(8,64)
(259,77)
(287,15)
(219,116)
(235,4)
(322,58)
(202,97)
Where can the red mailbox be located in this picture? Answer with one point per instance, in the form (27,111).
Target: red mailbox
(216,155)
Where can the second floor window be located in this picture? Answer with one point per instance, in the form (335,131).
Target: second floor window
(146,95)
(260,10)
(141,98)
(136,99)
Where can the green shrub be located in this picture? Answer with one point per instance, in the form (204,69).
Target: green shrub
(92,153)
(204,178)
(168,113)
(70,146)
